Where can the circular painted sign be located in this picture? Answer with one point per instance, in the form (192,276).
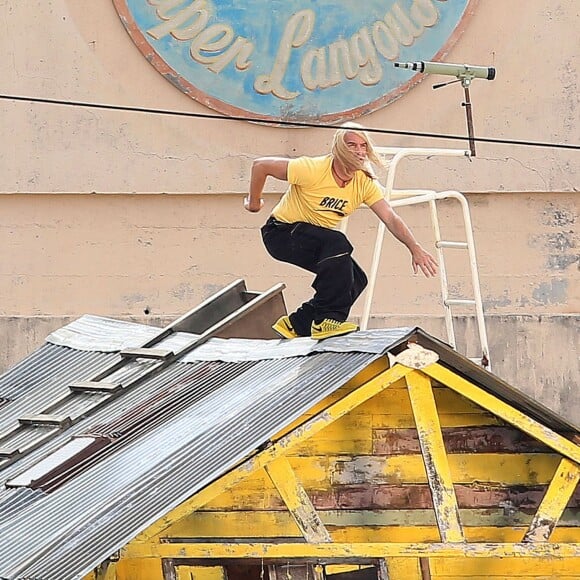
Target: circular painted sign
(293,60)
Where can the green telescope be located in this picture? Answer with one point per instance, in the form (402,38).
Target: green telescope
(461,71)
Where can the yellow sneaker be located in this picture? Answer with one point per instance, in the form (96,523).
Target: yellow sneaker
(329,327)
(283,327)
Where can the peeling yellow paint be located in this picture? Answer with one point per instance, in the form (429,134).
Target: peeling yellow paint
(346,552)
(332,452)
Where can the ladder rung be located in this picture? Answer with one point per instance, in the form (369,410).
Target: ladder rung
(153,353)
(448,244)
(7,452)
(95,387)
(43,419)
(459,302)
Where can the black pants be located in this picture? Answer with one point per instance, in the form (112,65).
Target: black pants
(327,253)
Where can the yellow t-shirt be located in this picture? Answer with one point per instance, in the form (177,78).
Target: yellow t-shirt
(315,197)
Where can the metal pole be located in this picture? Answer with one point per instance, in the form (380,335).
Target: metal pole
(468,112)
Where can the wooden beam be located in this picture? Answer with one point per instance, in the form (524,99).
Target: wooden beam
(435,457)
(278,449)
(425,568)
(345,553)
(508,413)
(106,571)
(297,501)
(555,501)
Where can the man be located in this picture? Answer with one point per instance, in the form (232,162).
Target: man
(324,190)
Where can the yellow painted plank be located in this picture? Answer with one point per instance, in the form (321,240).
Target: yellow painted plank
(343,552)
(297,500)
(354,434)
(235,524)
(332,446)
(505,411)
(358,437)
(426,517)
(435,458)
(139,569)
(404,569)
(446,420)
(346,425)
(350,525)
(351,434)
(505,568)
(244,524)
(323,473)
(499,468)
(395,401)
(554,502)
(311,427)
(504,468)
(367,374)
(362,534)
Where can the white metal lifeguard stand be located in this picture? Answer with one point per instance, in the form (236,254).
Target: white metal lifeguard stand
(463,74)
(404,197)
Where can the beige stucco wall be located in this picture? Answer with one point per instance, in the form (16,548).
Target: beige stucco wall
(121,255)
(74,50)
(81,231)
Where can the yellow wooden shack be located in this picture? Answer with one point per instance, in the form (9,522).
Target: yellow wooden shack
(185,453)
(411,470)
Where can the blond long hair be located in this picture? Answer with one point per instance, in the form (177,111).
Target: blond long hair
(347,158)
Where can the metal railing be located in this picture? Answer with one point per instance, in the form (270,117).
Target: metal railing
(399,198)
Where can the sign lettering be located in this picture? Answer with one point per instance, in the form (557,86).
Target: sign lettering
(299,60)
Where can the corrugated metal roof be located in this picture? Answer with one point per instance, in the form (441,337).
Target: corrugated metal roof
(171,435)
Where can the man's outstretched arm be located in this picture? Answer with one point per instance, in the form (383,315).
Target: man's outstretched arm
(422,259)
